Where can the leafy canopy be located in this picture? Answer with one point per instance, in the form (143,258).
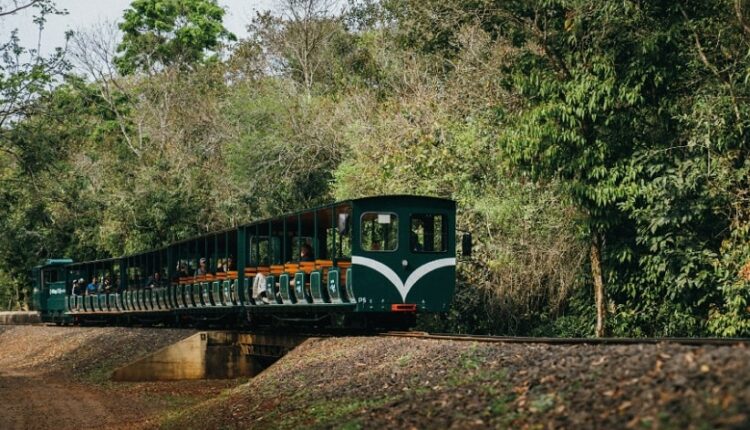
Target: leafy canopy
(162,33)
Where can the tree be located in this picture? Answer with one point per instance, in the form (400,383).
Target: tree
(298,36)
(593,82)
(24,78)
(591,86)
(163,33)
(40,188)
(93,53)
(414,125)
(715,153)
(24,72)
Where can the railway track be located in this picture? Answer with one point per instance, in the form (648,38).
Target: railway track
(693,341)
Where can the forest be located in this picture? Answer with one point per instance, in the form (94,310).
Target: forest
(597,150)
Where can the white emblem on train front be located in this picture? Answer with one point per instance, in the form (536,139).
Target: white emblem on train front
(403,287)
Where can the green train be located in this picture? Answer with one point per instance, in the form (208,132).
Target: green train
(373,262)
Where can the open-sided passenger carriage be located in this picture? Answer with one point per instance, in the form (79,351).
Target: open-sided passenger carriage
(375,261)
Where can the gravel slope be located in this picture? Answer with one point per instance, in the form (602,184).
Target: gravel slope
(54,377)
(412,383)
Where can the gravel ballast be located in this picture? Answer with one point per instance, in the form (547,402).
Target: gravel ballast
(411,383)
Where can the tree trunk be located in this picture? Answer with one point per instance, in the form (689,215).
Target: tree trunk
(596,273)
(17,301)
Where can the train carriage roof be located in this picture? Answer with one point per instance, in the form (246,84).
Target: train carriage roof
(401,198)
(101,260)
(54,262)
(313,209)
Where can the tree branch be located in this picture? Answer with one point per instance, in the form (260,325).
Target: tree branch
(18,8)
(540,35)
(741,17)
(704,59)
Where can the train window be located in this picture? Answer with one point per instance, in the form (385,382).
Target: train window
(50,275)
(344,238)
(263,251)
(379,231)
(429,233)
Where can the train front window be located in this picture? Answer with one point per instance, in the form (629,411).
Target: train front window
(429,233)
(379,231)
(50,276)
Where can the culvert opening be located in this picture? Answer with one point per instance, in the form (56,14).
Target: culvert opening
(210,355)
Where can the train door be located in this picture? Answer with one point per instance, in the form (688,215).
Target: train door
(431,257)
(39,302)
(378,270)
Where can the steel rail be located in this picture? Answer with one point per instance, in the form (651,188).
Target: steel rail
(692,341)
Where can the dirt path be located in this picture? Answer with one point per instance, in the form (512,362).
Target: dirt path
(57,378)
(45,402)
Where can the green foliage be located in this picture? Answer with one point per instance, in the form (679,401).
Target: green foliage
(24,78)
(162,33)
(526,234)
(600,103)
(550,122)
(285,144)
(24,73)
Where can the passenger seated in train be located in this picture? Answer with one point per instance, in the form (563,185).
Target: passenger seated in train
(259,289)
(182,271)
(306,253)
(107,285)
(154,281)
(226,266)
(93,287)
(77,288)
(202,267)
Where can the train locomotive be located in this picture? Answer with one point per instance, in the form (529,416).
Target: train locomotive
(372,262)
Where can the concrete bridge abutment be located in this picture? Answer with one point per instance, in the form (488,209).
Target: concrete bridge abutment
(20,318)
(210,355)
